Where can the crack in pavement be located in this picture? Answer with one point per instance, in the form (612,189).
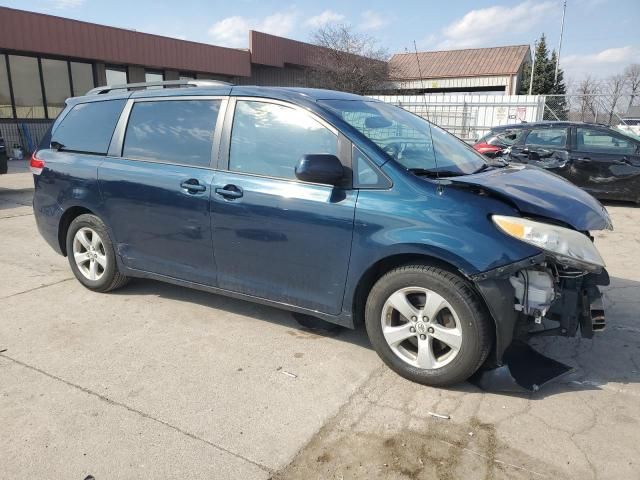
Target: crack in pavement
(40,287)
(17,216)
(136,411)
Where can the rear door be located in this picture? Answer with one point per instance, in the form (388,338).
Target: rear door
(607,163)
(276,237)
(156,188)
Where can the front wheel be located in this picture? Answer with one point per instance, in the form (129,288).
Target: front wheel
(428,325)
(91,254)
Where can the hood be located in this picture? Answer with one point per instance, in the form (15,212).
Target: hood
(540,193)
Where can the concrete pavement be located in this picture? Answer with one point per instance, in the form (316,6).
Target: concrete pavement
(158,381)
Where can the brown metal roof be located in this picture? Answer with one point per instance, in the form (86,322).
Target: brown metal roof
(459,63)
(47,34)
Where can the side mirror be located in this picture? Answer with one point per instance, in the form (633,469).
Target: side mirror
(320,168)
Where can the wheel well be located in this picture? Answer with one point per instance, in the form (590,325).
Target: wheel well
(67,217)
(378,269)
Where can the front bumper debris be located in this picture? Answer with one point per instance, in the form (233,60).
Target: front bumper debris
(560,302)
(523,370)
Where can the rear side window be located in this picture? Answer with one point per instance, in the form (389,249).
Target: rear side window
(176,131)
(599,141)
(88,127)
(547,137)
(269,139)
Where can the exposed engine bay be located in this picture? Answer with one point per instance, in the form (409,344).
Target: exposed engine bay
(556,300)
(539,298)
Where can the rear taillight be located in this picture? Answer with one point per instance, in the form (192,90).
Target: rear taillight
(36,165)
(486,148)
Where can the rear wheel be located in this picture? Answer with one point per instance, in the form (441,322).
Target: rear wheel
(428,325)
(91,254)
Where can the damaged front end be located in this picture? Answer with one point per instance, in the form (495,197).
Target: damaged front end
(539,298)
(554,293)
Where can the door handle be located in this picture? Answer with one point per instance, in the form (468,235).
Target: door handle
(582,159)
(193,186)
(229,191)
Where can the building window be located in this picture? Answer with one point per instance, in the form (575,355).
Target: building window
(153,77)
(6,110)
(27,91)
(187,76)
(116,76)
(82,78)
(55,75)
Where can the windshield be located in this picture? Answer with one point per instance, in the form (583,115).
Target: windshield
(410,140)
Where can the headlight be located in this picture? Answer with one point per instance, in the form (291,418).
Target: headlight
(567,246)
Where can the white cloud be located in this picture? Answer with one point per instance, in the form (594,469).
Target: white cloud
(63,4)
(234,31)
(481,27)
(599,64)
(372,20)
(328,16)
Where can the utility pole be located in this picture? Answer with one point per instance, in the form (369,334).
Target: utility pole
(533,66)
(564,11)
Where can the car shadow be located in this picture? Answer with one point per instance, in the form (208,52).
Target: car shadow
(619,203)
(609,361)
(246,308)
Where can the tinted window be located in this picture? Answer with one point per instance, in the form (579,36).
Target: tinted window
(5,97)
(598,141)
(269,139)
(153,77)
(88,127)
(82,77)
(27,91)
(116,76)
(179,131)
(57,89)
(547,137)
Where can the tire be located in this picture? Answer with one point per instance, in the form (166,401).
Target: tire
(91,254)
(460,318)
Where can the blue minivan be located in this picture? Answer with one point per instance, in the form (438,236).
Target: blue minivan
(327,204)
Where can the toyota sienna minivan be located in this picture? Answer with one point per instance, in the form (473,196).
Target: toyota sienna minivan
(327,204)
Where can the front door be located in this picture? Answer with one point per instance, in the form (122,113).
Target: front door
(543,147)
(276,237)
(157,195)
(606,164)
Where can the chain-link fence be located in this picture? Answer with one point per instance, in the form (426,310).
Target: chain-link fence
(471,116)
(596,108)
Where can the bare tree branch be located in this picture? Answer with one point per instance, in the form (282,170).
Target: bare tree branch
(615,86)
(632,76)
(349,61)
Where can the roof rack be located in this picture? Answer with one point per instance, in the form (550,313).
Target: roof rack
(164,83)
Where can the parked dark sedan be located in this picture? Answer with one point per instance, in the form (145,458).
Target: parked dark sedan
(604,162)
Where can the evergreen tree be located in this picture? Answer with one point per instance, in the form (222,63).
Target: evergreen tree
(544,82)
(559,105)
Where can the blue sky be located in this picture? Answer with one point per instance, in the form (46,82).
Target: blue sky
(601,36)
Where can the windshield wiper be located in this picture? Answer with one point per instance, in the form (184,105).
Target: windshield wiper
(435,173)
(484,167)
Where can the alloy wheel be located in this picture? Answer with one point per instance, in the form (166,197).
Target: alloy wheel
(89,253)
(421,328)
